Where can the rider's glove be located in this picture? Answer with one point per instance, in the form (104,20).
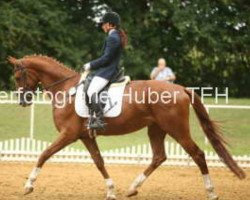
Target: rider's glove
(86,66)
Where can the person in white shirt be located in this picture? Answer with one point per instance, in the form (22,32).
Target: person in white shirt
(162,72)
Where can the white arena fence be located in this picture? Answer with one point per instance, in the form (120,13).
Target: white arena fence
(29,149)
(26,149)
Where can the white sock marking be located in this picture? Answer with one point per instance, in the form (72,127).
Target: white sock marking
(138,182)
(32,177)
(111,188)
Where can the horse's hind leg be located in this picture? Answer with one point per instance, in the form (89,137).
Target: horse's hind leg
(156,136)
(185,140)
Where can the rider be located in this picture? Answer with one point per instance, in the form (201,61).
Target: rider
(105,66)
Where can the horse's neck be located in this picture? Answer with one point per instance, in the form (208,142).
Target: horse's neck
(50,73)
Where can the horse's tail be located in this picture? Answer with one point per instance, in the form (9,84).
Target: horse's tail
(214,135)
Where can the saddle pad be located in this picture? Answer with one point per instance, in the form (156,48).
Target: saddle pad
(113,105)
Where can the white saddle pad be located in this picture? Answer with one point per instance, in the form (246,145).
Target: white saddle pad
(113,105)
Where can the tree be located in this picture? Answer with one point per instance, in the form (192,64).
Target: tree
(205,42)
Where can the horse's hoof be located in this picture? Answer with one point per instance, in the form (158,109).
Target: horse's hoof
(28,190)
(132,192)
(112,197)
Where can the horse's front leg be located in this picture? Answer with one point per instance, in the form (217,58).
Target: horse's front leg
(62,141)
(93,149)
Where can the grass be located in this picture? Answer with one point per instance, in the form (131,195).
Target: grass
(14,123)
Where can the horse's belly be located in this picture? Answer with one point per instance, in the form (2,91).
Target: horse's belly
(127,126)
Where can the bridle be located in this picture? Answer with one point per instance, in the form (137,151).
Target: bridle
(24,74)
(23,78)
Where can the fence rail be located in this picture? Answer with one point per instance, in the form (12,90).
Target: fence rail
(26,149)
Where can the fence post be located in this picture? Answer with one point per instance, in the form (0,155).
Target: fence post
(32,116)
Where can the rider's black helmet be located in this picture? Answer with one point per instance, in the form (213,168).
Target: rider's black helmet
(112,18)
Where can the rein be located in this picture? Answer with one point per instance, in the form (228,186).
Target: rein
(60,81)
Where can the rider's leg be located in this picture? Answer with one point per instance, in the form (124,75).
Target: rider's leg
(96,85)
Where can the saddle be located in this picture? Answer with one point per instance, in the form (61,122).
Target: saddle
(115,90)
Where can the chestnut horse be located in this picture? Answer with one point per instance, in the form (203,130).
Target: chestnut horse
(160,117)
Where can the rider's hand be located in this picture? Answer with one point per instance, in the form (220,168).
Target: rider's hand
(86,66)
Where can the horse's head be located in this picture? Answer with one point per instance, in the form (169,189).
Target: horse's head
(25,79)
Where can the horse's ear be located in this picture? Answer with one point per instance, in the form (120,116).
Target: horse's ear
(12,60)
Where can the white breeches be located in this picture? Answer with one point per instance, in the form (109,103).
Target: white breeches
(96,85)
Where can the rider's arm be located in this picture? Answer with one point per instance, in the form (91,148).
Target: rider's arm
(154,73)
(112,46)
(171,76)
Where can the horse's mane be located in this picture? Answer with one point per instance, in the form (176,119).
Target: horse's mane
(50,59)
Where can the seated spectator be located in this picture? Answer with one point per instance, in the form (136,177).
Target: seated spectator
(162,72)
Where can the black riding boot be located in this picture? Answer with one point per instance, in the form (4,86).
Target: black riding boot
(98,123)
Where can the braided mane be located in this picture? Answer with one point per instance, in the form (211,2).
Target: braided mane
(50,59)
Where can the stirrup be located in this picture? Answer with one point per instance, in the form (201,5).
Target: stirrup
(97,124)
